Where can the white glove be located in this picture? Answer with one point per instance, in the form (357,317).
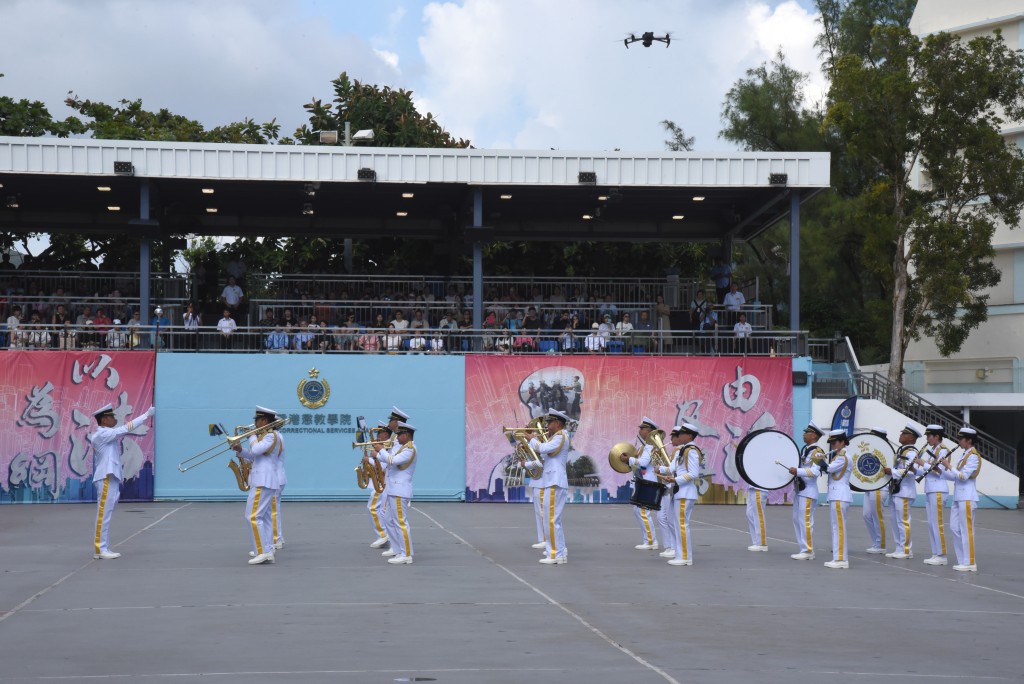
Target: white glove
(150,412)
(663,470)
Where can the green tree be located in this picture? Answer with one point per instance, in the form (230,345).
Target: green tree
(677,142)
(31,118)
(936,105)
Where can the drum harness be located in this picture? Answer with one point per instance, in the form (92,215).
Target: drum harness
(894,484)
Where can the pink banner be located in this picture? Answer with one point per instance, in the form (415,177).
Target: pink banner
(46,403)
(725,397)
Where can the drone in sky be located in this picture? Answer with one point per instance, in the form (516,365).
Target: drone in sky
(648,39)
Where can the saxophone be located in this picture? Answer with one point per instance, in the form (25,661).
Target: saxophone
(374,471)
(240,467)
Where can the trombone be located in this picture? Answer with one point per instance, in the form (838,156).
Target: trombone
(241,432)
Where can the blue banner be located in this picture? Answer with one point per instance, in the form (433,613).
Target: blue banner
(843,418)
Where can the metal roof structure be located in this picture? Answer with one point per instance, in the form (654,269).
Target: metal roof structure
(158,189)
(265,189)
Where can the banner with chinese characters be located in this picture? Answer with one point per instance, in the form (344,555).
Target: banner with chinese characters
(46,404)
(607,397)
(325,397)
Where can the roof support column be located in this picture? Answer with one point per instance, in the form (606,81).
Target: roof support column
(478,266)
(145,251)
(348,253)
(794,261)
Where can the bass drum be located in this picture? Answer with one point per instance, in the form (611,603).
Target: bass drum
(756,458)
(870,455)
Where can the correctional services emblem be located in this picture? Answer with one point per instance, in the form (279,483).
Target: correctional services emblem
(314,393)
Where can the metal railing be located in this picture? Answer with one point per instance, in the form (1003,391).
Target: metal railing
(84,284)
(840,385)
(254,339)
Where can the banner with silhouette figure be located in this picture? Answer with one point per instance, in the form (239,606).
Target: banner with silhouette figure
(606,398)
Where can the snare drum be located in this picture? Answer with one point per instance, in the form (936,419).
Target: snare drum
(870,455)
(647,494)
(756,458)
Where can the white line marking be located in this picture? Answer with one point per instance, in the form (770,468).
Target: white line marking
(56,584)
(575,616)
(265,673)
(906,674)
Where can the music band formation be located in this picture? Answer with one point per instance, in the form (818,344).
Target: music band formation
(667,481)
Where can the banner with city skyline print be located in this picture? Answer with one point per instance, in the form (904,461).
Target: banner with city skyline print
(47,399)
(607,396)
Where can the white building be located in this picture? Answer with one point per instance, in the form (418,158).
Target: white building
(986,379)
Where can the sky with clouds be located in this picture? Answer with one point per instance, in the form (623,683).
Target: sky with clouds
(522,74)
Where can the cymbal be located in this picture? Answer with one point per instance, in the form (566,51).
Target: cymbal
(617,450)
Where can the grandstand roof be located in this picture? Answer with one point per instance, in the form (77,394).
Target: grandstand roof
(264,190)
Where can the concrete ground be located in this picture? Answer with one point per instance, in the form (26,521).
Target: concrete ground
(182,604)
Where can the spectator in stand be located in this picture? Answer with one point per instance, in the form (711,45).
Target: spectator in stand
(578,326)
(379,324)
(436,343)
(268,322)
(721,273)
(84,325)
(643,332)
(41,305)
(530,319)
(117,307)
(5,262)
(190,322)
(606,328)
(277,340)
(303,338)
(708,328)
(400,322)
(465,342)
(594,342)
(231,296)
(226,326)
(349,333)
(61,326)
(369,341)
(418,322)
(101,325)
(734,301)
(134,331)
(608,308)
(417,342)
(743,332)
(160,325)
(567,340)
(116,338)
(624,329)
(556,296)
(448,324)
(698,307)
(393,340)
(288,319)
(35,335)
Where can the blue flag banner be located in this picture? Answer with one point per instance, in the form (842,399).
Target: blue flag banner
(843,418)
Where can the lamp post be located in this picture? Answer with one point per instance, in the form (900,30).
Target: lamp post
(156,339)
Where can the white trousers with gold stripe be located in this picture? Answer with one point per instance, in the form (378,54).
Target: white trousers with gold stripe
(276,521)
(376,506)
(963,517)
(899,510)
(647,520)
(538,513)
(554,504)
(838,511)
(803,522)
(257,519)
(936,531)
(874,517)
(396,524)
(108,493)
(755,517)
(682,509)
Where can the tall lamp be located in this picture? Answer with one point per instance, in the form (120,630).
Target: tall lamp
(156,339)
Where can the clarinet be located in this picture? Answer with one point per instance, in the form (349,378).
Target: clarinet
(935,462)
(894,484)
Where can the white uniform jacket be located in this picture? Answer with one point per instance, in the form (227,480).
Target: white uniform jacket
(400,460)
(808,471)
(555,453)
(908,484)
(964,476)
(933,481)
(686,471)
(264,453)
(839,472)
(106,442)
(643,460)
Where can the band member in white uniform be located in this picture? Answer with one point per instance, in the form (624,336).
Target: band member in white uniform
(276,521)
(263,450)
(378,500)
(555,453)
(756,499)
(964,514)
(875,505)
(805,492)
(839,470)
(537,492)
(903,491)
(400,460)
(685,472)
(642,463)
(669,532)
(936,491)
(106,443)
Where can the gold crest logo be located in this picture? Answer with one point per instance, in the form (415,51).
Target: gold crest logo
(314,393)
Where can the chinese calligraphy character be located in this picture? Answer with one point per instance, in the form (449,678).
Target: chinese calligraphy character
(39,413)
(743,393)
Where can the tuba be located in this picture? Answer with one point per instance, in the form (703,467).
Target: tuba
(374,471)
(659,455)
(515,470)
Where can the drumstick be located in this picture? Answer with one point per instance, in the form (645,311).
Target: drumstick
(783,465)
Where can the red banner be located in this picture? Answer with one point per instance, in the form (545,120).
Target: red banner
(47,399)
(608,396)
